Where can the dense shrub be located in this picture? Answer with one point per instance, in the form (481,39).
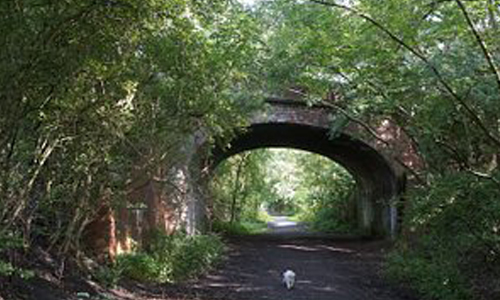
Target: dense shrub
(329,219)
(171,258)
(327,205)
(435,276)
(11,244)
(457,251)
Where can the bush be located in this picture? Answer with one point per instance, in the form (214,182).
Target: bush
(331,217)
(435,277)
(452,247)
(171,258)
(329,220)
(142,267)
(11,242)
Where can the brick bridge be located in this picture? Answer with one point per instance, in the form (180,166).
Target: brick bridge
(376,168)
(375,164)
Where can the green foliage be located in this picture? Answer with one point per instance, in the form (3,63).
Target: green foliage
(143,267)
(311,187)
(437,277)
(240,187)
(108,276)
(327,196)
(95,93)
(6,268)
(10,243)
(435,97)
(240,228)
(458,250)
(329,220)
(171,258)
(432,70)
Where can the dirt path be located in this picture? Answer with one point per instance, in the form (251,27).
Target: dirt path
(326,268)
(283,225)
(333,268)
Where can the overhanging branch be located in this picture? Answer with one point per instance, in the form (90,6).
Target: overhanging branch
(470,111)
(481,43)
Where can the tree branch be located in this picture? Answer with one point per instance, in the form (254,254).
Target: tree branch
(470,111)
(481,43)
(373,133)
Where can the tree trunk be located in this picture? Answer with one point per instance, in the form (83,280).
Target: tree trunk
(237,188)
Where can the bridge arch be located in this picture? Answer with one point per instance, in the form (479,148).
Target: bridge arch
(377,182)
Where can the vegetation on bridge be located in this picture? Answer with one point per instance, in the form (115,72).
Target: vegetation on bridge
(92,91)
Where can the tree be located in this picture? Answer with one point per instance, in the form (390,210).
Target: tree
(432,68)
(92,91)
(240,186)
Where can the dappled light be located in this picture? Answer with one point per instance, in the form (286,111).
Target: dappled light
(211,149)
(300,248)
(249,3)
(335,249)
(317,247)
(321,274)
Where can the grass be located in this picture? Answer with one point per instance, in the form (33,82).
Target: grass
(300,217)
(246,227)
(242,228)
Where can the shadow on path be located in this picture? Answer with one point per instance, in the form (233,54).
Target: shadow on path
(327,267)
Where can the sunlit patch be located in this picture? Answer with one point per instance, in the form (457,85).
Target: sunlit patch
(304,281)
(281,224)
(249,289)
(216,277)
(248,2)
(335,249)
(325,289)
(226,285)
(296,247)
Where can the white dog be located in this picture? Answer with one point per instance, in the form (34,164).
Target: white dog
(289,279)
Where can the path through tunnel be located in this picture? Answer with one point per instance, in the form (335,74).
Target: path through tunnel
(376,182)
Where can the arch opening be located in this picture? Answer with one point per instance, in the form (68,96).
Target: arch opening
(284,190)
(377,183)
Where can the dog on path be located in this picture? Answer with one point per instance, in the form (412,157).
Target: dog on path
(289,279)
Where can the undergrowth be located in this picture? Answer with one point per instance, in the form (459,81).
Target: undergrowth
(11,243)
(252,224)
(451,246)
(436,277)
(239,228)
(168,258)
(326,220)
